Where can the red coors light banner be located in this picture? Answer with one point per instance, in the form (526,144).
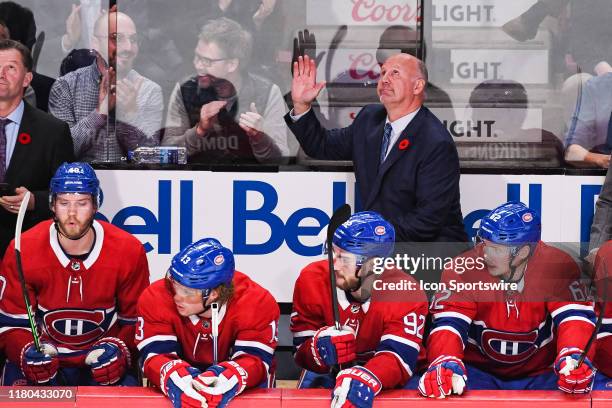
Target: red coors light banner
(361,12)
(444,13)
(351,66)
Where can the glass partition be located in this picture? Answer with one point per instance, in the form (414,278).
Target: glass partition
(519,85)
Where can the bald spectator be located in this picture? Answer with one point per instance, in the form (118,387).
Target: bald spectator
(111,108)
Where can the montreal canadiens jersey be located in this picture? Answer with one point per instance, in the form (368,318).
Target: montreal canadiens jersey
(76,302)
(248,331)
(389,333)
(603,270)
(512,333)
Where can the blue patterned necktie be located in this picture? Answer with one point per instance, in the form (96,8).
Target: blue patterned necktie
(3,123)
(385,142)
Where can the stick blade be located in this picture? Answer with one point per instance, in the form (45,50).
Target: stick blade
(20,216)
(339,216)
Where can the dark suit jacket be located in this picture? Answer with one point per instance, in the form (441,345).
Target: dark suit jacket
(32,165)
(417,186)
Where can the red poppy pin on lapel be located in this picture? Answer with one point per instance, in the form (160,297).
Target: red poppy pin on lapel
(24,138)
(403,145)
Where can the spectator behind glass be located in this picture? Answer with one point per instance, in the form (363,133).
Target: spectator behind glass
(264,20)
(90,99)
(21,27)
(80,25)
(225,113)
(589,136)
(585,28)
(579,45)
(510,97)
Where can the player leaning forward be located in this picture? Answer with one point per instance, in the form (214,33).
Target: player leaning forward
(510,339)
(83,278)
(206,332)
(382,337)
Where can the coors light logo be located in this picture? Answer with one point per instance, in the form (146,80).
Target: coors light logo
(381,11)
(443,13)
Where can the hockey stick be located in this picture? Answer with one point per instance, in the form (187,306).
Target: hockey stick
(24,290)
(342,214)
(215,330)
(599,321)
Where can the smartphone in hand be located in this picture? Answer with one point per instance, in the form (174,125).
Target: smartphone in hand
(6,190)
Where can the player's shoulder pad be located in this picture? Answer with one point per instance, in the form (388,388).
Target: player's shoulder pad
(38,234)
(114,235)
(603,262)
(156,302)
(314,273)
(404,296)
(555,261)
(253,299)
(453,268)
(605,249)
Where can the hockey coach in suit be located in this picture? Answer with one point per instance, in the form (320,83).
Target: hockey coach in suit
(405,161)
(32,144)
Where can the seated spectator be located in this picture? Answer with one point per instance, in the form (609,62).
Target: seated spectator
(225,113)
(584,29)
(515,143)
(589,136)
(90,99)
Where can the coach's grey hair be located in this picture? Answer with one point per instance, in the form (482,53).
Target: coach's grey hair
(423,70)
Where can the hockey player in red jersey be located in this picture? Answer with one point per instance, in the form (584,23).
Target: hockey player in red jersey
(382,337)
(603,281)
(83,278)
(526,313)
(206,332)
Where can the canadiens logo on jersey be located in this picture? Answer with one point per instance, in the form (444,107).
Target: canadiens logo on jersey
(75,327)
(509,348)
(353,324)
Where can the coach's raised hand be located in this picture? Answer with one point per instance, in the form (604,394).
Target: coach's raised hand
(304,87)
